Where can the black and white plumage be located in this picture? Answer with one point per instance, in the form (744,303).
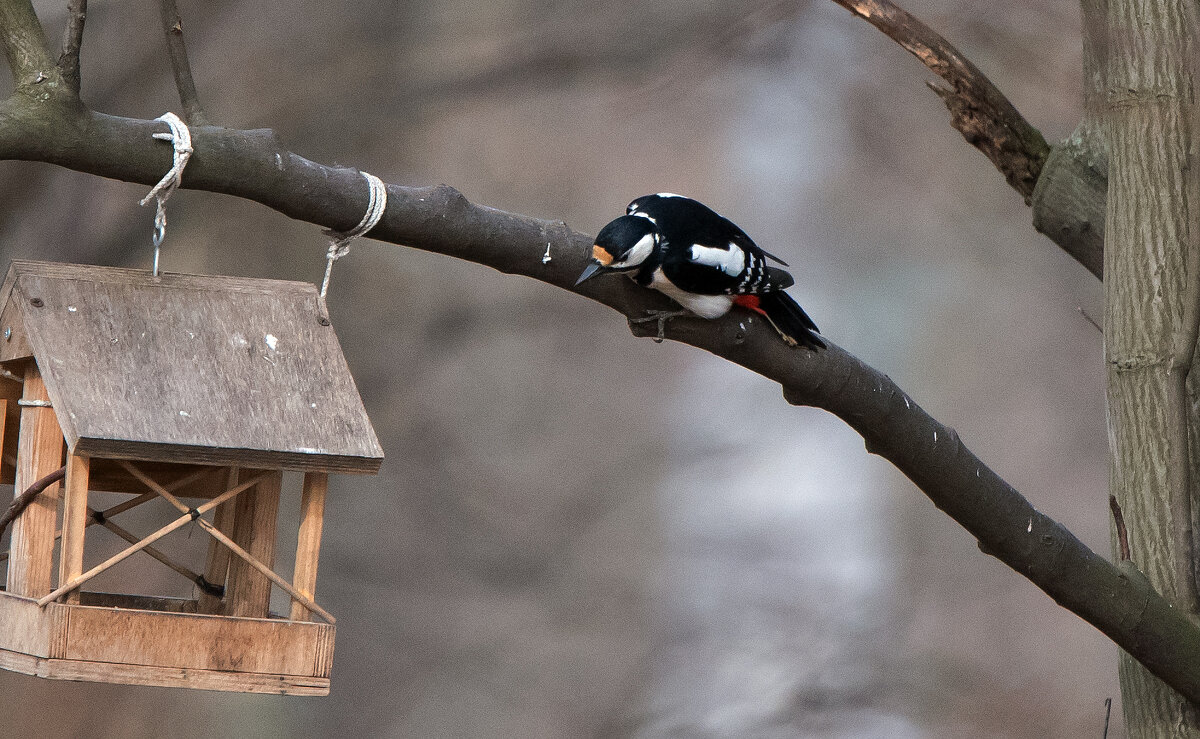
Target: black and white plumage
(702,261)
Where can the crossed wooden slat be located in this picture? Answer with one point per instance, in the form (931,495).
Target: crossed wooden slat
(189,514)
(101,518)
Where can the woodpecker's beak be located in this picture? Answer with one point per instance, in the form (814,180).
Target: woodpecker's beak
(589,272)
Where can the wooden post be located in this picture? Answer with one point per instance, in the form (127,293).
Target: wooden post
(248,592)
(216,567)
(39,452)
(308,543)
(75,520)
(3,435)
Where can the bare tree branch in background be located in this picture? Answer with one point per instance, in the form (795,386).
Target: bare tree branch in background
(663,61)
(980,112)
(181,68)
(1069,207)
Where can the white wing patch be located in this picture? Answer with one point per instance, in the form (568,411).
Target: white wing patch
(730,260)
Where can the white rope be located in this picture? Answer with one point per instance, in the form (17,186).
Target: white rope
(181,141)
(339,245)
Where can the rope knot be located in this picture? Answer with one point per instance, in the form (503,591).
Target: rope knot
(339,244)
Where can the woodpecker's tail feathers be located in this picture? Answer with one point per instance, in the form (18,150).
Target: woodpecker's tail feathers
(780,280)
(790,320)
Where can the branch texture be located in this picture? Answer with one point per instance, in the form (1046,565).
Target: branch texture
(251,164)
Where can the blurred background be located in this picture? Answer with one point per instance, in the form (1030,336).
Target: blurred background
(728,566)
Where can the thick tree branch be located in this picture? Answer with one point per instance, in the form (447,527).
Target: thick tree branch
(172,25)
(68,60)
(251,164)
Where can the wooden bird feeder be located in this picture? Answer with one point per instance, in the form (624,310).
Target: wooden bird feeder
(194,394)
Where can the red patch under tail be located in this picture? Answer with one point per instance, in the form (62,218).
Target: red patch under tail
(750,301)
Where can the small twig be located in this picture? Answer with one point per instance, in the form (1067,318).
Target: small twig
(980,112)
(1090,320)
(68,60)
(1107,716)
(22,501)
(172,25)
(1119,521)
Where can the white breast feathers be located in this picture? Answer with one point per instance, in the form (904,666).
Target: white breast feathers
(705,306)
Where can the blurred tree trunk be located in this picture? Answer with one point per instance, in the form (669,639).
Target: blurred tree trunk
(1150,301)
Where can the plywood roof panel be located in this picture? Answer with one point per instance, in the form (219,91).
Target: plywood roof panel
(189,368)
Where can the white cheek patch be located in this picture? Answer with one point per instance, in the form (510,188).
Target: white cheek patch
(638,254)
(731,261)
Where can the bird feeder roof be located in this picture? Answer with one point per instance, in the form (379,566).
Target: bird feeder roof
(188,368)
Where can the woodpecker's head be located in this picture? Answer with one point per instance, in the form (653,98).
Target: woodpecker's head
(622,246)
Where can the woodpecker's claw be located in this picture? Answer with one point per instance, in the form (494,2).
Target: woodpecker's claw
(662,316)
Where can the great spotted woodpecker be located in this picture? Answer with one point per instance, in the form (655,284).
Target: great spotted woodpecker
(700,260)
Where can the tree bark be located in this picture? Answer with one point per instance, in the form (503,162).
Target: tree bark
(1150,299)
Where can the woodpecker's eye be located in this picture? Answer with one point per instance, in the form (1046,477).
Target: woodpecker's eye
(601,255)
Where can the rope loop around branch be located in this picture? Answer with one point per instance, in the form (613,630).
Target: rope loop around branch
(339,244)
(181,143)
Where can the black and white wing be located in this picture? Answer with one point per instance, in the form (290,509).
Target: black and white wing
(726,269)
(691,220)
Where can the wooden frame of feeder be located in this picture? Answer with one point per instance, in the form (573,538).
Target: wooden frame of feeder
(225,638)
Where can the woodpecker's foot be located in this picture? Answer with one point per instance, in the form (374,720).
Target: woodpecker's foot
(662,316)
